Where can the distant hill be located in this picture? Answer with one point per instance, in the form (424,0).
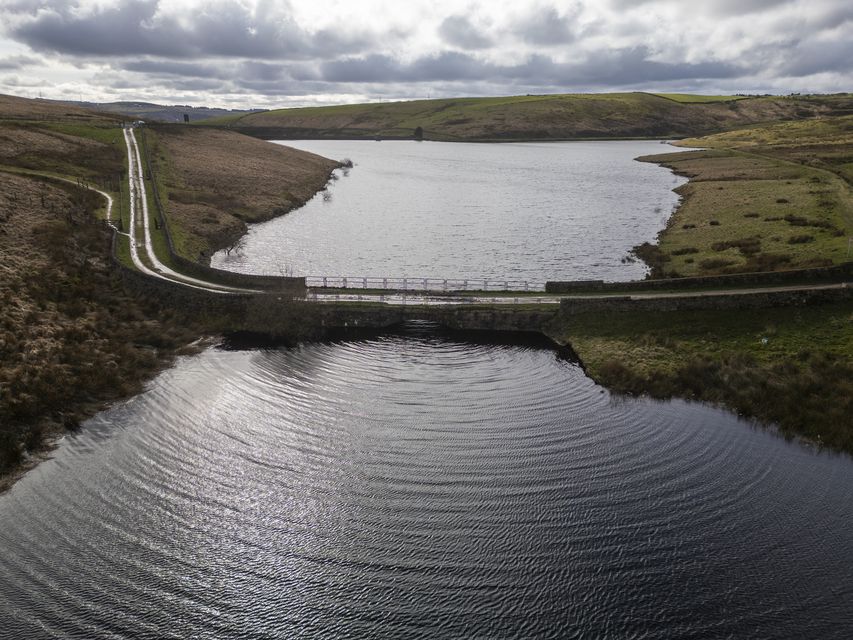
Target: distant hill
(159,112)
(16,108)
(538,117)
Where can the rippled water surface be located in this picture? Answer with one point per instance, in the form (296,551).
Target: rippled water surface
(420,486)
(520,211)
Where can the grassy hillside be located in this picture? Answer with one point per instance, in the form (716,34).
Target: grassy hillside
(564,116)
(788,366)
(150,111)
(826,143)
(15,108)
(212,183)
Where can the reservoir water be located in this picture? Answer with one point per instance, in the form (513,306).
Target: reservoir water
(520,211)
(421,486)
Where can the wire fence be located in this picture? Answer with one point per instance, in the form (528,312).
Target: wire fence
(421,284)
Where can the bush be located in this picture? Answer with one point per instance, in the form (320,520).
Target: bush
(768,261)
(747,246)
(710,264)
(802,239)
(652,255)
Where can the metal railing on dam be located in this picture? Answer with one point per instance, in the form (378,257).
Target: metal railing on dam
(421,284)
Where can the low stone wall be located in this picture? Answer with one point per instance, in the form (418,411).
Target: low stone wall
(205,272)
(234,279)
(838,273)
(762,300)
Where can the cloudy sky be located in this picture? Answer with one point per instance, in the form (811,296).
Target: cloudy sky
(261,53)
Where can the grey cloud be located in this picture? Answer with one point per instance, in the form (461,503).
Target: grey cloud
(812,57)
(632,66)
(445,66)
(172,68)
(547,26)
(11,63)
(458,31)
(744,7)
(372,68)
(222,28)
(835,17)
(261,71)
(714,7)
(17,81)
(611,67)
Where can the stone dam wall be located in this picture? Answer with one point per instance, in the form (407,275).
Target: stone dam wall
(283,314)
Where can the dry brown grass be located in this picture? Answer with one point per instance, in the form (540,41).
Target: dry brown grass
(217,181)
(70,338)
(77,150)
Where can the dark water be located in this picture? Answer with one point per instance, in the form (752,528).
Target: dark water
(418,486)
(522,211)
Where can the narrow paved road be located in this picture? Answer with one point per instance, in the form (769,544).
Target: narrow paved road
(139,209)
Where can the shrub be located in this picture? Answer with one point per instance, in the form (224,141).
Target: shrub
(652,255)
(801,239)
(709,264)
(714,223)
(767,261)
(747,246)
(684,251)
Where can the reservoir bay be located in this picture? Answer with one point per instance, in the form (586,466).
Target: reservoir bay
(517,211)
(419,485)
